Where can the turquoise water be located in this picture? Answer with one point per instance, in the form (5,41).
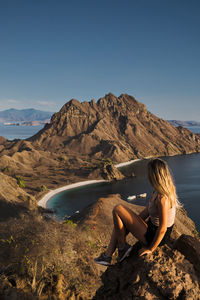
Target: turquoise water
(186,172)
(185,168)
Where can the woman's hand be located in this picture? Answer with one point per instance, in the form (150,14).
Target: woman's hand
(144,250)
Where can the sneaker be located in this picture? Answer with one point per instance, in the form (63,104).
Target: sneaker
(123,253)
(103,260)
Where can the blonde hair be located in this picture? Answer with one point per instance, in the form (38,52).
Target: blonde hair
(162,181)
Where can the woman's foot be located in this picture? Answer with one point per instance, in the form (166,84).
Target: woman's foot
(103,259)
(124,252)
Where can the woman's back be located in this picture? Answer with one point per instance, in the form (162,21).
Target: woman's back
(154,216)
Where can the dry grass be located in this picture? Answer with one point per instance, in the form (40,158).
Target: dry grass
(44,257)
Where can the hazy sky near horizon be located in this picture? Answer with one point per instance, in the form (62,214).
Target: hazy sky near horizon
(53,51)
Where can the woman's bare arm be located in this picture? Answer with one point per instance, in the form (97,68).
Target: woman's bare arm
(163,208)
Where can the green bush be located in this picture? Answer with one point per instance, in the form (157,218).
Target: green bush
(42,188)
(6,170)
(63,158)
(107,161)
(70,222)
(21,182)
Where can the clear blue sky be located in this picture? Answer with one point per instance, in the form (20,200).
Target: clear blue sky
(52,51)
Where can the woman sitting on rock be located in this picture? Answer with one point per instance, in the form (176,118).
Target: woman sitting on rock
(160,209)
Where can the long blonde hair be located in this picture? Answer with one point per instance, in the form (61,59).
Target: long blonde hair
(162,181)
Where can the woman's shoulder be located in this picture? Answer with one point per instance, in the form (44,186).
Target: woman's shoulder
(162,200)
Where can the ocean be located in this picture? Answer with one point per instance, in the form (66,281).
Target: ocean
(12,132)
(185,170)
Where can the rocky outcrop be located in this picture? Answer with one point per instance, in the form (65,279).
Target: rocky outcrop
(120,128)
(107,171)
(190,247)
(81,136)
(44,259)
(110,172)
(171,272)
(165,274)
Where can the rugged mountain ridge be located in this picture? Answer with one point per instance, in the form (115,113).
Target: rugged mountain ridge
(66,151)
(81,137)
(120,128)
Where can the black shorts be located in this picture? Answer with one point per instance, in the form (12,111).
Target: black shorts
(151,231)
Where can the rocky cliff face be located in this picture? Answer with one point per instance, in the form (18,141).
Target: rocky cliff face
(120,128)
(81,136)
(171,272)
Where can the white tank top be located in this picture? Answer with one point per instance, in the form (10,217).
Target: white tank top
(154,216)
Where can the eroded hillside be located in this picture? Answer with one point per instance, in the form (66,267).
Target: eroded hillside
(120,128)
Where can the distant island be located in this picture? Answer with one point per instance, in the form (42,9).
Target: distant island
(41,258)
(183,123)
(24,117)
(27,123)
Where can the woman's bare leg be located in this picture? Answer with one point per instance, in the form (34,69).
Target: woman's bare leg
(113,243)
(125,219)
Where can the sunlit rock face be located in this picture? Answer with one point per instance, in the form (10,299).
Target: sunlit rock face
(120,128)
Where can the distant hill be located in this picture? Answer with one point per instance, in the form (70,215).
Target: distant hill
(21,115)
(119,128)
(183,123)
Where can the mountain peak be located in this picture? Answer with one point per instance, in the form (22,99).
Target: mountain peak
(120,128)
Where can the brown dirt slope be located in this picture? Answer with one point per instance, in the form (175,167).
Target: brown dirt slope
(44,259)
(13,199)
(84,139)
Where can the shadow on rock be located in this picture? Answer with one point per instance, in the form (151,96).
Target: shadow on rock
(10,210)
(165,274)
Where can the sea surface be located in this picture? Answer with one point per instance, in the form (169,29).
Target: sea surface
(12,132)
(186,170)
(195,129)
(186,173)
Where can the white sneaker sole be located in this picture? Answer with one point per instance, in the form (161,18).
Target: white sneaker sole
(126,254)
(103,263)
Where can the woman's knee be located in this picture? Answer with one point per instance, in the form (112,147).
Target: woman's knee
(118,208)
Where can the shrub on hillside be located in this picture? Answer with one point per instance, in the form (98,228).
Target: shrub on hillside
(42,188)
(6,170)
(20,182)
(37,252)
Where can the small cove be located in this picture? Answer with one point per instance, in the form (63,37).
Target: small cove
(186,171)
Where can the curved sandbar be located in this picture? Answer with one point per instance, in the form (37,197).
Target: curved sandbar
(51,193)
(127,163)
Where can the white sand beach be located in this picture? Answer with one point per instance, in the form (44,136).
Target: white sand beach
(127,163)
(51,193)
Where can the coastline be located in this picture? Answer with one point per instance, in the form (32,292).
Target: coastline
(43,202)
(126,163)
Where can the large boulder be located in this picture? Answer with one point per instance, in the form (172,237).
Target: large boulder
(170,272)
